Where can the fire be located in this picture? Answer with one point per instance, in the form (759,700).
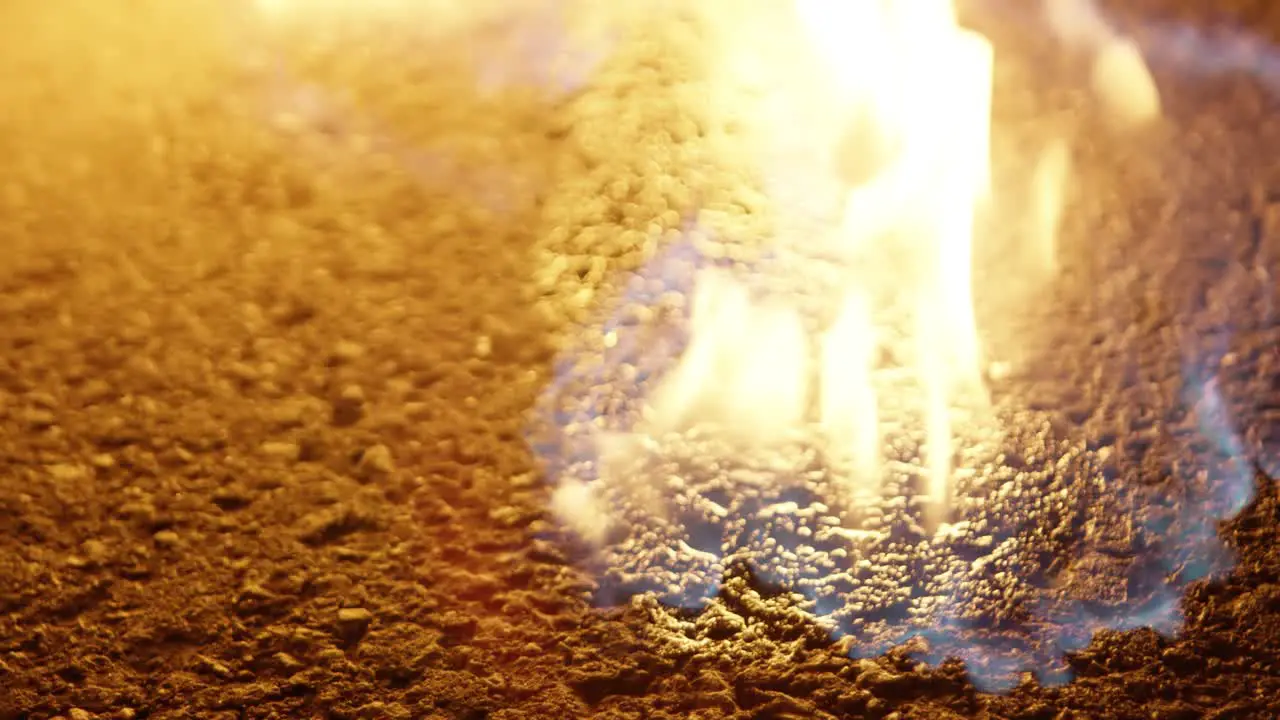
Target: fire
(903,131)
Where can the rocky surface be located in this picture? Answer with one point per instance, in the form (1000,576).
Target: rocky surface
(276,309)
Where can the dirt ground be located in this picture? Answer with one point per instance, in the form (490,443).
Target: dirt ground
(274,312)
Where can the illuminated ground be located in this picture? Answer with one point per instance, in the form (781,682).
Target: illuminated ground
(267,361)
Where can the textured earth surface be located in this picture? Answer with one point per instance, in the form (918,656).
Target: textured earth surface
(277,304)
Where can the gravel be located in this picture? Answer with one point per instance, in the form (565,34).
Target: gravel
(196,248)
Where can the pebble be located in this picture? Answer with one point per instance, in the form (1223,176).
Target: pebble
(506,515)
(95,391)
(353,623)
(142,512)
(103,461)
(95,550)
(66,471)
(376,460)
(39,419)
(877,679)
(348,408)
(381,710)
(166,539)
(43,400)
(288,414)
(287,661)
(282,450)
(346,351)
(213,666)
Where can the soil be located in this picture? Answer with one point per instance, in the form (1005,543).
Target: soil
(276,306)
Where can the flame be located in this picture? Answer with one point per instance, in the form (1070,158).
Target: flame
(902,136)
(859,324)
(1120,76)
(1048,184)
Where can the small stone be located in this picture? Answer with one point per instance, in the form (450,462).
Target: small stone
(95,391)
(348,408)
(79,714)
(66,471)
(879,681)
(416,410)
(346,351)
(1182,659)
(212,666)
(141,512)
(545,551)
(255,592)
(722,626)
(311,449)
(457,627)
(243,372)
(166,538)
(331,655)
(332,583)
(95,551)
(231,498)
(507,515)
(287,662)
(353,623)
(376,460)
(346,554)
(281,450)
(383,711)
(42,400)
(102,461)
(288,414)
(39,419)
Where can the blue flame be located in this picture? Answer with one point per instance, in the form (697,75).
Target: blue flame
(1174,526)
(1214,485)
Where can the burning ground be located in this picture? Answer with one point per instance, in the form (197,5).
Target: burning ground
(281,316)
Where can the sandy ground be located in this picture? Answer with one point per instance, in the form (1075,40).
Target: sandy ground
(274,311)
